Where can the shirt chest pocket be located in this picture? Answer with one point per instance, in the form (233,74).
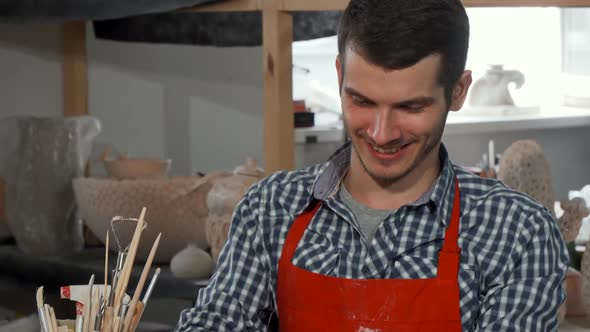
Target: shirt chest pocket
(316,253)
(415,267)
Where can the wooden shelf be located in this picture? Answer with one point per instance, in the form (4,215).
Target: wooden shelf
(227,6)
(322,5)
(526,3)
(54,272)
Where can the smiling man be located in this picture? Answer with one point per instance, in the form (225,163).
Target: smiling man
(388,234)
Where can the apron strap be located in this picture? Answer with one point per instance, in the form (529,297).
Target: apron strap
(449,256)
(296,231)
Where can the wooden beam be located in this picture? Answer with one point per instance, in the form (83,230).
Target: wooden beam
(278,95)
(319,5)
(227,6)
(313,5)
(74,69)
(2,202)
(526,3)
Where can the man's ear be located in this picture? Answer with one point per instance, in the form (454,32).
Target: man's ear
(339,71)
(460,91)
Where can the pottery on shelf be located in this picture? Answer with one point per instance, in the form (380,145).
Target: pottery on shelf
(192,263)
(523,167)
(492,88)
(222,199)
(39,158)
(137,168)
(176,206)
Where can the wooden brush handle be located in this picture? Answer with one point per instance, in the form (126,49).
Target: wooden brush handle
(136,316)
(107,322)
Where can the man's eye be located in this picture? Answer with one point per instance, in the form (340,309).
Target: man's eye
(360,101)
(413,108)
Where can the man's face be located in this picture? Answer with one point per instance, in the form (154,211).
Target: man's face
(395,118)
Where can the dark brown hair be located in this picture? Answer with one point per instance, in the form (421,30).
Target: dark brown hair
(396,34)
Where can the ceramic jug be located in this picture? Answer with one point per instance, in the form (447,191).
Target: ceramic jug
(39,158)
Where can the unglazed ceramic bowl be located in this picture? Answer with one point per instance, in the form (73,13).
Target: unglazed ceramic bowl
(175,206)
(136,168)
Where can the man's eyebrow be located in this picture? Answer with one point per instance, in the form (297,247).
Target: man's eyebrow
(353,92)
(416,101)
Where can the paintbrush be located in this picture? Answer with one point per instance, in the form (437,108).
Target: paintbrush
(141,305)
(140,284)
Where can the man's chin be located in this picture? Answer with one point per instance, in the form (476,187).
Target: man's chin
(385,177)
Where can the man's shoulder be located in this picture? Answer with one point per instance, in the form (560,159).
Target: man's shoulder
(286,190)
(282,180)
(507,218)
(489,193)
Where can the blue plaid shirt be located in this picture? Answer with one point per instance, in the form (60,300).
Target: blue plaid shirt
(513,258)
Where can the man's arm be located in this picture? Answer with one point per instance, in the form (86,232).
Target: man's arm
(239,289)
(526,297)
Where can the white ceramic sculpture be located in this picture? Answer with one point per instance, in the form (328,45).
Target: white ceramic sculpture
(492,88)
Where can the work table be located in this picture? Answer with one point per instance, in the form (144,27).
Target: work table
(53,272)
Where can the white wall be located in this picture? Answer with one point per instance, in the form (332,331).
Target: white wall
(199,106)
(30,70)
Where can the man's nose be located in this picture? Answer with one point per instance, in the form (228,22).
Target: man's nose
(385,126)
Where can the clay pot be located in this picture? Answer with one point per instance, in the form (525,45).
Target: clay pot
(137,168)
(222,200)
(573,287)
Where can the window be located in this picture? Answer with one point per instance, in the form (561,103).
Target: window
(576,41)
(526,39)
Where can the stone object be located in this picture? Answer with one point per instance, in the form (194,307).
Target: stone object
(523,167)
(192,263)
(222,200)
(39,158)
(176,206)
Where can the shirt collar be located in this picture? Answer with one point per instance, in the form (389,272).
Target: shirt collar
(330,176)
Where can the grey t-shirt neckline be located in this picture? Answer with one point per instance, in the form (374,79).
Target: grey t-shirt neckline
(368,219)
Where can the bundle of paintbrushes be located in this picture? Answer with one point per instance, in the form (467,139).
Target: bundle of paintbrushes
(106,308)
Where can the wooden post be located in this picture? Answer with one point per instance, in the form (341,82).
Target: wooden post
(278,92)
(2,201)
(74,69)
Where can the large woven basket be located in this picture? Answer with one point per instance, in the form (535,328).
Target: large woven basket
(176,207)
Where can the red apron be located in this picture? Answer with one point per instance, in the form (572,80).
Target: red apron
(309,301)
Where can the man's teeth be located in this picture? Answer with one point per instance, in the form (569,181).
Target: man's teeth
(382,150)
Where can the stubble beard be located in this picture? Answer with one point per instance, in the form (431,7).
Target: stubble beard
(385,180)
